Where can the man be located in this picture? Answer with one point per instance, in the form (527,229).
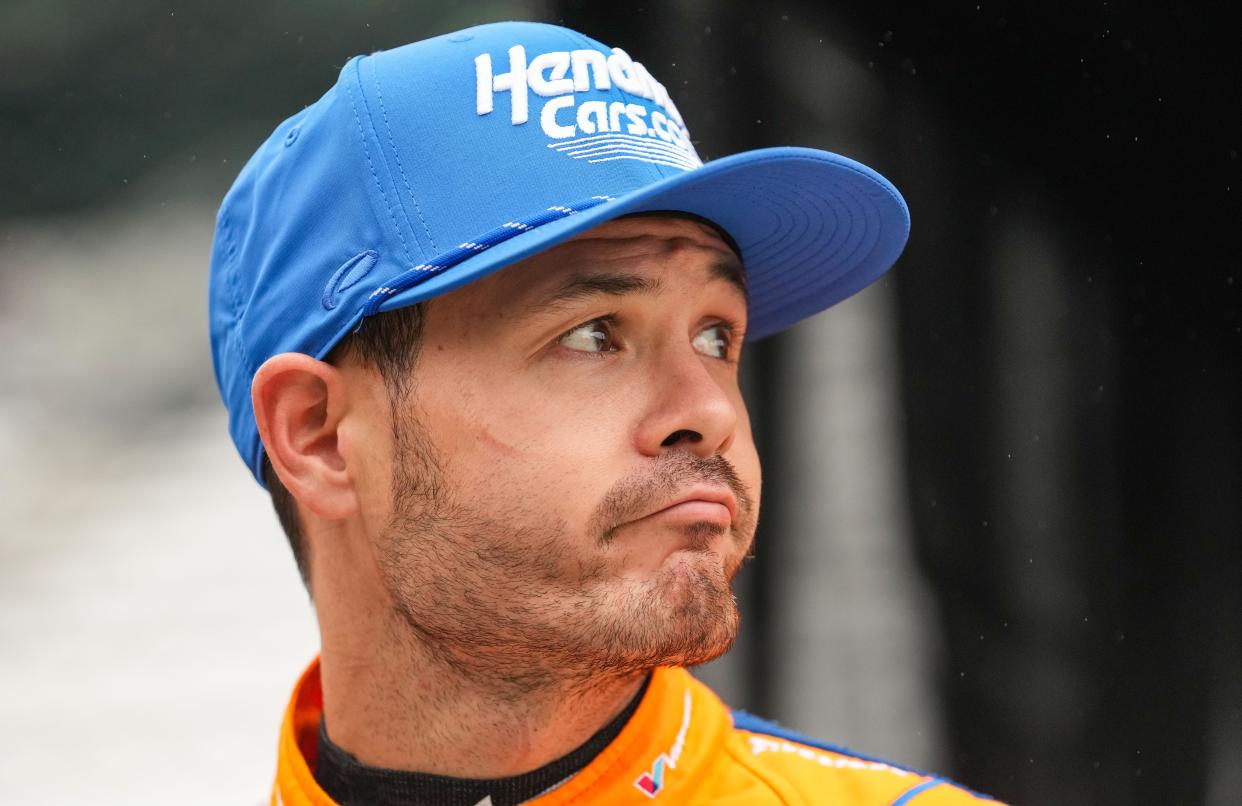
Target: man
(477,315)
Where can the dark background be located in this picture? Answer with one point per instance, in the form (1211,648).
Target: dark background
(1071,426)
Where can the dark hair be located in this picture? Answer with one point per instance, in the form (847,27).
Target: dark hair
(388,342)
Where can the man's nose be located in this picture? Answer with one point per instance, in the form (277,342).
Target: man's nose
(688,409)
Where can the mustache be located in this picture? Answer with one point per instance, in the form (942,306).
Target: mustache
(638,494)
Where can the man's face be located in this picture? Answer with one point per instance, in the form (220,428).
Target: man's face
(573,483)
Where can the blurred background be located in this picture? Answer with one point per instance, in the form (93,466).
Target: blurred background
(1003,499)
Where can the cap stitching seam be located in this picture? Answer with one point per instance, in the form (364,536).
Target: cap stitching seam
(235,297)
(230,263)
(379,94)
(353,106)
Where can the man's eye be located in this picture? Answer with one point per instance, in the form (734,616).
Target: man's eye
(714,341)
(591,337)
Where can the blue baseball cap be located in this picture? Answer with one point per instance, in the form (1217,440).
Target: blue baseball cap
(433,164)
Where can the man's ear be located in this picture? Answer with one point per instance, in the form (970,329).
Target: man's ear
(299,403)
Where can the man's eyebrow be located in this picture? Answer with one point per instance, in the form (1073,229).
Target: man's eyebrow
(615,284)
(584,286)
(730,271)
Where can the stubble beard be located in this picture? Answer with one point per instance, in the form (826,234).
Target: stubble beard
(495,599)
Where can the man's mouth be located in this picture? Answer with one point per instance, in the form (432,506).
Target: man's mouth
(700,504)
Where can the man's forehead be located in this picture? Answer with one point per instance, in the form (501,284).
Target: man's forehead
(658,225)
(628,243)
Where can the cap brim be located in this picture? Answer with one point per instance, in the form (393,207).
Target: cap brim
(813,228)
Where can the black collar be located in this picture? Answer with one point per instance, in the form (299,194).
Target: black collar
(349,782)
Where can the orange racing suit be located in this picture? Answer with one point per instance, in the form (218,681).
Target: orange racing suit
(681,746)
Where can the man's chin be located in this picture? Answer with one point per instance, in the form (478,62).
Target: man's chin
(685,616)
(691,579)
(702,607)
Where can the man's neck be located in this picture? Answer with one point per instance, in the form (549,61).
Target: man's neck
(407,709)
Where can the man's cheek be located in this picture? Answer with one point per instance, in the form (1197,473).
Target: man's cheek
(568,432)
(566,469)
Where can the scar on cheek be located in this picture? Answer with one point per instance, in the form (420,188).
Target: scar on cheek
(487,438)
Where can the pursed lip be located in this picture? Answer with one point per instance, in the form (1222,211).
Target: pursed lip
(712,495)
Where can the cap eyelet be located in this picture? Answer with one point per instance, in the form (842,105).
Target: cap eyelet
(292,136)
